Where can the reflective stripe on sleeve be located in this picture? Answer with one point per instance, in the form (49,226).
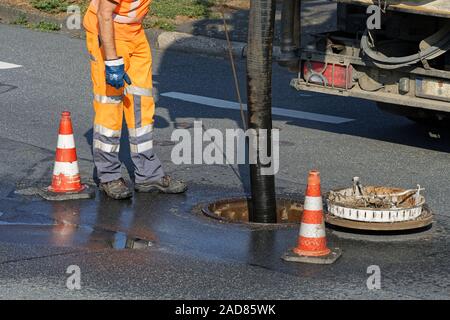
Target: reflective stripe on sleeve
(134,5)
(124,19)
(106,147)
(114,63)
(127,20)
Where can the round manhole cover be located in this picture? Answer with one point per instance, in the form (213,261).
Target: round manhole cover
(236,210)
(416,225)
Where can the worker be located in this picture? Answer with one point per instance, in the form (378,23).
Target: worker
(121,72)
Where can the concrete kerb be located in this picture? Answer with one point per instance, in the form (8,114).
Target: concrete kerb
(199,44)
(159,39)
(202,45)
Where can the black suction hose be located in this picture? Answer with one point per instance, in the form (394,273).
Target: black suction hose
(438,44)
(288,46)
(259,91)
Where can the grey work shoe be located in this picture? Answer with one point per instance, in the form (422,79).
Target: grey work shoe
(165,185)
(116,189)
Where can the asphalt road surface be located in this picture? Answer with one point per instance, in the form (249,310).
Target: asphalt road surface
(187,255)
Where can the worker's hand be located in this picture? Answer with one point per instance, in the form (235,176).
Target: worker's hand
(115,73)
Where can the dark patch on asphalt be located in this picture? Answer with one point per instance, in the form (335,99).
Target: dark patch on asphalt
(4,88)
(64,234)
(164,143)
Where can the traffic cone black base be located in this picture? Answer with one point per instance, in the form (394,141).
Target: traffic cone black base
(330,258)
(86,193)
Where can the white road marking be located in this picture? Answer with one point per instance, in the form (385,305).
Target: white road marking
(224,104)
(5,65)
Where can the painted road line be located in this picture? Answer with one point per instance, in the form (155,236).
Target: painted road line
(5,65)
(224,104)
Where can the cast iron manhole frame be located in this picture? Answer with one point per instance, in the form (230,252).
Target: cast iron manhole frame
(210,214)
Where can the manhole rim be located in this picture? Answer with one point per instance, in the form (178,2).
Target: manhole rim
(208,213)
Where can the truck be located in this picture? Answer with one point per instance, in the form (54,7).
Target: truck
(393,52)
(403,64)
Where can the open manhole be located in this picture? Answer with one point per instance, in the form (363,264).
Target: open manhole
(236,210)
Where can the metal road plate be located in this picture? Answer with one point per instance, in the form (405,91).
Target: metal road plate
(433,89)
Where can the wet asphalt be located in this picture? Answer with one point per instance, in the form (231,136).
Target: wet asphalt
(183,254)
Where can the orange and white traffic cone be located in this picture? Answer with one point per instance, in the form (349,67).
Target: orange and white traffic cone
(66,181)
(66,175)
(312,239)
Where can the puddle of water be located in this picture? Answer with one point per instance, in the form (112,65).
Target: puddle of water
(68,235)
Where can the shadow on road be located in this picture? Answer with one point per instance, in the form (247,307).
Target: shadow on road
(4,88)
(317,15)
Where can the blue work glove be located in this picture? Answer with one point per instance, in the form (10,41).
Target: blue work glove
(115,73)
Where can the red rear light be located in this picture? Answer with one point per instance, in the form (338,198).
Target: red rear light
(328,74)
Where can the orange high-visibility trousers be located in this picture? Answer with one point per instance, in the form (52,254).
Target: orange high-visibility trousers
(135,101)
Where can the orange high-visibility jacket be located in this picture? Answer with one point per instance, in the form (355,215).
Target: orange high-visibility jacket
(127,16)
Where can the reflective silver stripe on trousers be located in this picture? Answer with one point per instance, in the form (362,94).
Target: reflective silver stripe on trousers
(106,147)
(107,132)
(142,147)
(108,99)
(139,91)
(139,132)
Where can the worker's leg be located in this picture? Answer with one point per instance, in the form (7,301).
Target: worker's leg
(108,107)
(139,111)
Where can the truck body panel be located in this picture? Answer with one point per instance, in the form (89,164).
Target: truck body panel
(439,8)
(354,61)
